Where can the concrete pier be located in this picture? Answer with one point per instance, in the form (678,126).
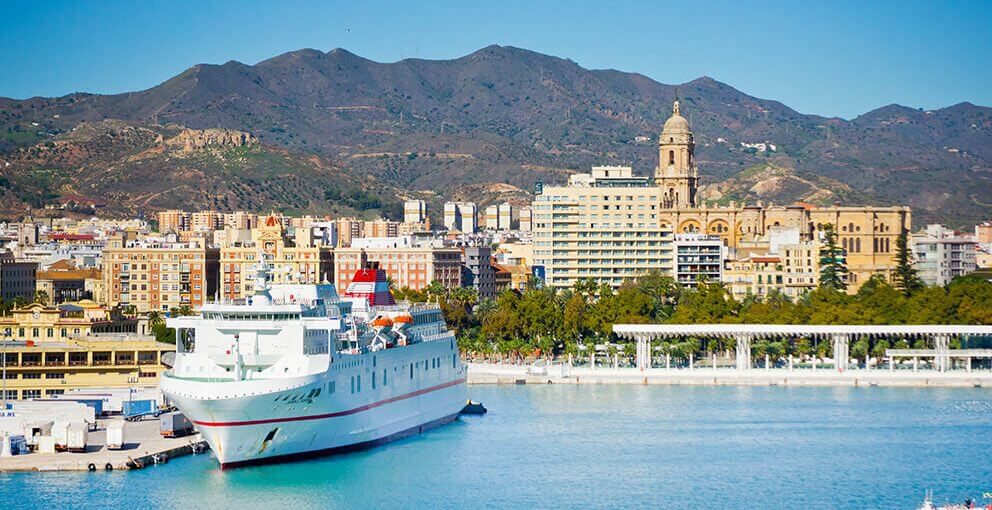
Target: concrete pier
(487,373)
(143,445)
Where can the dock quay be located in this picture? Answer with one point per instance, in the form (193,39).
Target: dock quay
(144,446)
(490,373)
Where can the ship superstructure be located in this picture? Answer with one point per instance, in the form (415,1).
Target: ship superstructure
(295,371)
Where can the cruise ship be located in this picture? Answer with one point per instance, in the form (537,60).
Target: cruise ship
(296,371)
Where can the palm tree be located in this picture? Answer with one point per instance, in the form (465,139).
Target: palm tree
(41,297)
(612,350)
(434,291)
(155,319)
(630,351)
(182,310)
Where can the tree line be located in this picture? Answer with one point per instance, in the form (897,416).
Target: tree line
(542,321)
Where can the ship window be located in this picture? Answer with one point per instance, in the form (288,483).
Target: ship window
(411,370)
(359,384)
(384,377)
(454,360)
(353,384)
(373,380)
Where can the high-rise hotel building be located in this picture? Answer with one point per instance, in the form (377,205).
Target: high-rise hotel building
(604,225)
(610,225)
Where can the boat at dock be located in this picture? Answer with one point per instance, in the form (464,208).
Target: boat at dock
(296,371)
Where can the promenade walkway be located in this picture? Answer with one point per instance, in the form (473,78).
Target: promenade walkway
(743,335)
(489,373)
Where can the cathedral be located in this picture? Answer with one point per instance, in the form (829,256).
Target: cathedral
(572,223)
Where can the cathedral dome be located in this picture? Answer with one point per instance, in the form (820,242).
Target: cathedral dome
(676,124)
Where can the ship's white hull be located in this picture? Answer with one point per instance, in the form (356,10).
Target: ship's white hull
(273,420)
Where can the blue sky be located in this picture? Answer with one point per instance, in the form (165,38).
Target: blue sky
(838,58)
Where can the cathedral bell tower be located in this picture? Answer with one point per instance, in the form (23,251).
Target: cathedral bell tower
(676,174)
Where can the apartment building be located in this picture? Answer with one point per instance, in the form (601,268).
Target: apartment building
(154,275)
(414,211)
(300,260)
(942,255)
(407,266)
(526,218)
(461,216)
(791,270)
(698,257)
(206,220)
(18,277)
(478,271)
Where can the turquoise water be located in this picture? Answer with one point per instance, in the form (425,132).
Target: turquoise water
(565,446)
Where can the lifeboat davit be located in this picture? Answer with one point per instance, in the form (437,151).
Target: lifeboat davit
(402,321)
(382,322)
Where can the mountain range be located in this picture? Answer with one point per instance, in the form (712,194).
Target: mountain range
(335,132)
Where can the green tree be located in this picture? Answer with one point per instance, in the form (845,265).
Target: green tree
(878,350)
(630,352)
(573,320)
(41,297)
(434,291)
(859,349)
(905,277)
(709,302)
(157,325)
(833,265)
(182,311)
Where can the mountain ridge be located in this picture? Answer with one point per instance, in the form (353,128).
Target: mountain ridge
(524,117)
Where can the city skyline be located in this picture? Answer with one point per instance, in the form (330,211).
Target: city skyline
(827,60)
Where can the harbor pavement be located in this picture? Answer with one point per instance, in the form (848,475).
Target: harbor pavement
(143,445)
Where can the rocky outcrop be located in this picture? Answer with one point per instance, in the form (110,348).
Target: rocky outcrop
(192,139)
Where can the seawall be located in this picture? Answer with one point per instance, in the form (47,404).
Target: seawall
(515,374)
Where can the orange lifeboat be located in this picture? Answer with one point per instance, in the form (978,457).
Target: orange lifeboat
(403,320)
(382,322)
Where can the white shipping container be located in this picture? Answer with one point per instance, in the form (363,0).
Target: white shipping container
(115,435)
(60,433)
(30,411)
(46,444)
(78,434)
(37,429)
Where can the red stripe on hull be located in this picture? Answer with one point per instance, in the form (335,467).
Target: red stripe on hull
(293,457)
(330,415)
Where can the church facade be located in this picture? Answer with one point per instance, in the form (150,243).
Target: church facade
(610,225)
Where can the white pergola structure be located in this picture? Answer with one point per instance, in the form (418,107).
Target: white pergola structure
(744,334)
